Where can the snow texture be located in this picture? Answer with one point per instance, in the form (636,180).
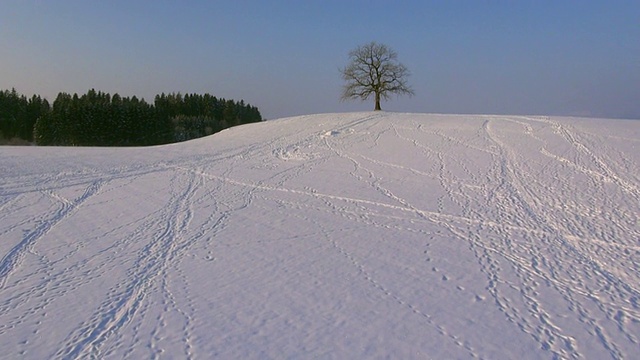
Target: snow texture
(334,236)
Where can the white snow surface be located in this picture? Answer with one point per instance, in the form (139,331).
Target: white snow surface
(334,236)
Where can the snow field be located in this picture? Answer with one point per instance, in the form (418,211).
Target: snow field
(359,235)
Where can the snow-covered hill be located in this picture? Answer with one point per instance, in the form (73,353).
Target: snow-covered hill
(338,236)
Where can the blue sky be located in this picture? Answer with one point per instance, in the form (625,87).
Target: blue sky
(491,57)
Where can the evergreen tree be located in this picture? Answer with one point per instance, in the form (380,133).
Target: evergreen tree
(99,119)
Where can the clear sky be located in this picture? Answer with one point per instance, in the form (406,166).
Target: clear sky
(555,57)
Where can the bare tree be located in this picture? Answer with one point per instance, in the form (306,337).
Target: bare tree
(374,69)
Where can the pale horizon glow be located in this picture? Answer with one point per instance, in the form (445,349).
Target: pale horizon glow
(526,57)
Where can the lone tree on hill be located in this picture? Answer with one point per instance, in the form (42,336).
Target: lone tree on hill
(374,69)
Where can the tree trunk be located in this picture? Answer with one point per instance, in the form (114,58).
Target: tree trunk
(378,102)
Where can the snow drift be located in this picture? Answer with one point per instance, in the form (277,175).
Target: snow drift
(339,236)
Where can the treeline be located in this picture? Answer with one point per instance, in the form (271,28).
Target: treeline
(101,119)
(18,116)
(192,115)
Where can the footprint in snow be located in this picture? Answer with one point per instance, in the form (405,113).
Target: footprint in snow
(331,133)
(336,133)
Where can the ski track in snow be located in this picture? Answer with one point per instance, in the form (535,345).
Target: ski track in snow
(435,222)
(13,258)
